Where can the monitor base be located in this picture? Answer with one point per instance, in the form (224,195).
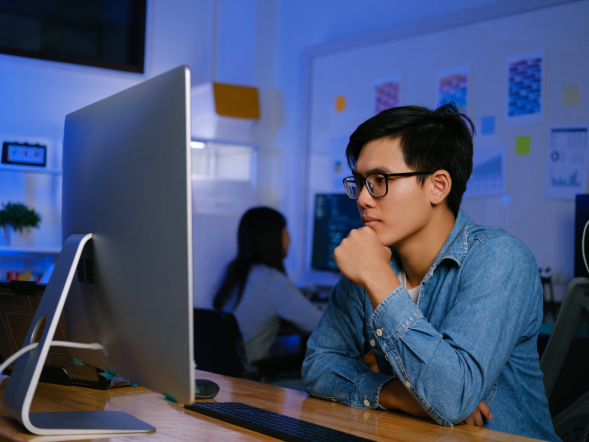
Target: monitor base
(88,422)
(21,387)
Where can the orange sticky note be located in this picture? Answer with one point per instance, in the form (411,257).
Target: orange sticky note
(340,103)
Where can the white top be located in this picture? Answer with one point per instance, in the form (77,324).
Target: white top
(267,296)
(414,292)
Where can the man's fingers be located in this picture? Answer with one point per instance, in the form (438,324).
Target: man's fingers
(485,410)
(469,420)
(478,418)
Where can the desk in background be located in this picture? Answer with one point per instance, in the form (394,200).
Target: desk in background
(174,423)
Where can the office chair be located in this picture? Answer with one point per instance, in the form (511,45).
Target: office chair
(565,361)
(222,351)
(218,346)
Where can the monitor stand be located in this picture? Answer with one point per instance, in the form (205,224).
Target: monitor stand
(21,387)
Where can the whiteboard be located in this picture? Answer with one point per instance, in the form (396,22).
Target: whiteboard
(559,31)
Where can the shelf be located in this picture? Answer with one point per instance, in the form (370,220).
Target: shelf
(224,142)
(4,250)
(31,169)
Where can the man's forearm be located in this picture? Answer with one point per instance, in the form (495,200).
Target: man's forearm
(394,396)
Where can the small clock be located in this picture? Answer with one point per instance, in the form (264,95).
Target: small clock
(24,154)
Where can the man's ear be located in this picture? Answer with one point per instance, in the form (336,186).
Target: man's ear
(441,186)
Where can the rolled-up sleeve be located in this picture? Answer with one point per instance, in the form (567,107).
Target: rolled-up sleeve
(450,370)
(333,367)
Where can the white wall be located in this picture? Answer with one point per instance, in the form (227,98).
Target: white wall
(251,42)
(303,23)
(36,95)
(545,226)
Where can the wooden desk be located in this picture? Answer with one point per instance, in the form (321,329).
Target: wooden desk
(174,423)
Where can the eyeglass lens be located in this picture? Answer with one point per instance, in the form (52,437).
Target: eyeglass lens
(376,183)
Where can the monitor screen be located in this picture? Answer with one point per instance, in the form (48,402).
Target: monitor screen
(335,215)
(104,33)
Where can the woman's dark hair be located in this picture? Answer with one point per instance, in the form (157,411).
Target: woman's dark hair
(431,140)
(259,241)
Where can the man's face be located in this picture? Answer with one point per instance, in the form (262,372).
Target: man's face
(406,208)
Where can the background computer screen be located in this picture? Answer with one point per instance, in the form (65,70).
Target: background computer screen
(335,215)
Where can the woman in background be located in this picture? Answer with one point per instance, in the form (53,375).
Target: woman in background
(256,288)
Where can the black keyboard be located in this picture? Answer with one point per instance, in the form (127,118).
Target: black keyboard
(271,424)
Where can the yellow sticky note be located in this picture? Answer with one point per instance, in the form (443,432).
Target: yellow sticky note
(522,145)
(340,103)
(570,96)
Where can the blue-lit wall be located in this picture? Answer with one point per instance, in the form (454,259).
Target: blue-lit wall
(252,42)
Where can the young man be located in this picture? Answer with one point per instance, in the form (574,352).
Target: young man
(451,310)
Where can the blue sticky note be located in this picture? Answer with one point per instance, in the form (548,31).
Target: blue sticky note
(108,374)
(78,362)
(133,384)
(488,126)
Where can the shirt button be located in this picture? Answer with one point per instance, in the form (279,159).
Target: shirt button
(372,342)
(379,332)
(366,402)
(407,383)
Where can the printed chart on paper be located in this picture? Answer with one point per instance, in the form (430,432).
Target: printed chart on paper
(567,163)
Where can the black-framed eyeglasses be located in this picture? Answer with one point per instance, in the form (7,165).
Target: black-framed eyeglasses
(377,183)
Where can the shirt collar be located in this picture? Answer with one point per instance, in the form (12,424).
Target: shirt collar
(455,247)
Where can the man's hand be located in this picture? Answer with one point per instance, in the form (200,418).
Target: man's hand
(476,418)
(394,396)
(364,260)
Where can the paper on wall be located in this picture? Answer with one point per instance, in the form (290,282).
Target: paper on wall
(489,173)
(567,168)
(387,93)
(454,86)
(525,88)
(338,164)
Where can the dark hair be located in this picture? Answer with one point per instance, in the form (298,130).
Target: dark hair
(431,140)
(259,241)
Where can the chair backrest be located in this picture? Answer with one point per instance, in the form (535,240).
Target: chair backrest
(576,300)
(565,364)
(218,345)
(585,245)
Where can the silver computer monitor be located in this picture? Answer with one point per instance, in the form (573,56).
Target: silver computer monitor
(125,270)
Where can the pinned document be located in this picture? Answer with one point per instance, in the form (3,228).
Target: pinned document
(489,173)
(567,168)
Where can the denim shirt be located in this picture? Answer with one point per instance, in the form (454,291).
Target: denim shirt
(471,337)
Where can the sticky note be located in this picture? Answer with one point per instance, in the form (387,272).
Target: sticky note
(340,103)
(571,96)
(170,398)
(108,374)
(488,125)
(522,145)
(133,384)
(78,362)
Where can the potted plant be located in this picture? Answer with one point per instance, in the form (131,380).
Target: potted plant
(16,216)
